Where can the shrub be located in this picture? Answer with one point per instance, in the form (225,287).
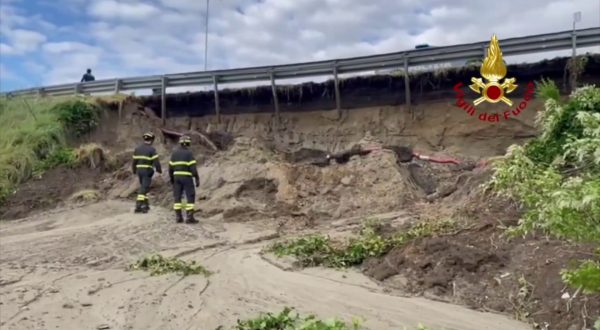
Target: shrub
(556,177)
(288,320)
(317,249)
(78,116)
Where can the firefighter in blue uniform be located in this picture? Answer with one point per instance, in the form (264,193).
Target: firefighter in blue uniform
(184,176)
(145,161)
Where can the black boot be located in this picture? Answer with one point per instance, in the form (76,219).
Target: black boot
(138,207)
(145,206)
(178,216)
(190,217)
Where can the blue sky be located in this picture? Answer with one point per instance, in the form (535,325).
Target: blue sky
(45,42)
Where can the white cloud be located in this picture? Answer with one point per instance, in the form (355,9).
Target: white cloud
(6,49)
(23,41)
(111,10)
(184,5)
(65,47)
(142,37)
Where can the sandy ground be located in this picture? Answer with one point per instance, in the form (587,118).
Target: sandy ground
(66,270)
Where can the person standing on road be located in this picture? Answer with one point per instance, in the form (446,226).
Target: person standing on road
(183,172)
(145,160)
(88,76)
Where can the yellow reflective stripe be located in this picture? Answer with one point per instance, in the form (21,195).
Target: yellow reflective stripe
(143,166)
(146,157)
(189,207)
(182,173)
(177,206)
(190,163)
(141,197)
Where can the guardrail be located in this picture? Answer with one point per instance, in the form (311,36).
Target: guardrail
(405,60)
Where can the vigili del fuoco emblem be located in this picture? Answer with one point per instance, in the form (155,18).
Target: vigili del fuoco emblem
(493,69)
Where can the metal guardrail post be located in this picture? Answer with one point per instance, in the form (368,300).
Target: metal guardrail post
(40,92)
(275,99)
(407,84)
(163,99)
(217,105)
(336,86)
(118,83)
(77,89)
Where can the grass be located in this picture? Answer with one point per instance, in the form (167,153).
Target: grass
(34,135)
(91,155)
(86,196)
(318,249)
(158,265)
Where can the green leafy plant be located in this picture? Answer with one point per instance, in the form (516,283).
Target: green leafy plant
(586,276)
(317,249)
(556,177)
(78,116)
(59,156)
(290,320)
(157,265)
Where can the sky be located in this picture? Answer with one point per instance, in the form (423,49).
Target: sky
(48,42)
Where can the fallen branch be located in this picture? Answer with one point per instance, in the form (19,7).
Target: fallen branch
(206,141)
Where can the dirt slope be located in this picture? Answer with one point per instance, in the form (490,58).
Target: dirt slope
(64,270)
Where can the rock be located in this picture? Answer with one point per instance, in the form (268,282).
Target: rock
(103,327)
(346,181)
(423,179)
(86,304)
(446,189)
(68,306)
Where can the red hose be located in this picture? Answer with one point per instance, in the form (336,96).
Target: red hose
(437,159)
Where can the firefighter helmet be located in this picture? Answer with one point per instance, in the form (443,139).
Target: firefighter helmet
(185,140)
(149,136)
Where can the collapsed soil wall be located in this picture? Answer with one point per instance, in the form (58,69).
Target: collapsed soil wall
(359,92)
(437,126)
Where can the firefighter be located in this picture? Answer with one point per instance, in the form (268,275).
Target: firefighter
(145,160)
(183,172)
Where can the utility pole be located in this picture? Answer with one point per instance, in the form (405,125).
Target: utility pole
(574,70)
(206,39)
(576,18)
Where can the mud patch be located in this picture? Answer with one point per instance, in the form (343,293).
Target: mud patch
(481,269)
(305,155)
(259,189)
(49,191)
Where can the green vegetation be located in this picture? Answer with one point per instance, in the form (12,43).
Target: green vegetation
(157,265)
(59,156)
(34,133)
(317,249)
(78,116)
(288,320)
(556,177)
